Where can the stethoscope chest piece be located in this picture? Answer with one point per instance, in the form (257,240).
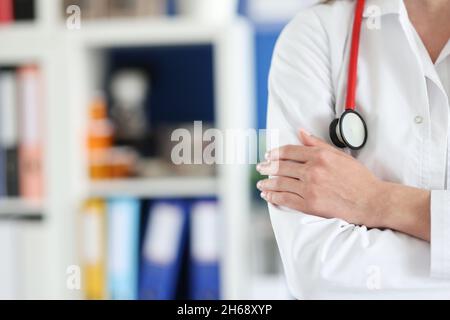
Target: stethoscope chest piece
(349,131)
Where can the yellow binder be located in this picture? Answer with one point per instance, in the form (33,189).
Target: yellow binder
(93,215)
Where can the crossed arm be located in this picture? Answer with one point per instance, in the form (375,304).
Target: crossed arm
(320,180)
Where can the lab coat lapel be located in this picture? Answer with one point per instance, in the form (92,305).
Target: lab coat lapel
(393,89)
(428,177)
(421,53)
(426,63)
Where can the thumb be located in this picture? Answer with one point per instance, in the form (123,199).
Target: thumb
(311,141)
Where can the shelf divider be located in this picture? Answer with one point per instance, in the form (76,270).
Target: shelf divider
(17,207)
(155,187)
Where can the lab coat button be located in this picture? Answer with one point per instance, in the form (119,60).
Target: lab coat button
(418,119)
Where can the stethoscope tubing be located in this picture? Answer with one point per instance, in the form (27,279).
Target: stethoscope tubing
(354,54)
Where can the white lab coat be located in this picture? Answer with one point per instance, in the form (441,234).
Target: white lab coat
(406,107)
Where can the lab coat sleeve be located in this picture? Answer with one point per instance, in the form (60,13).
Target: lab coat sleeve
(330,258)
(440,237)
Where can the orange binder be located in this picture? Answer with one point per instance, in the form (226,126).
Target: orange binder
(31,133)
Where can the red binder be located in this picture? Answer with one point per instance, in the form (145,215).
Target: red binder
(6,11)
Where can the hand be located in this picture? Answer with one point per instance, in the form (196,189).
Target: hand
(321,180)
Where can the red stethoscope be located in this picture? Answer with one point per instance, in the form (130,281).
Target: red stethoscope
(350,130)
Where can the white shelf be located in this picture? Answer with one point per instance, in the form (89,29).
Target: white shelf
(120,31)
(24,34)
(16,207)
(17,28)
(156,31)
(155,187)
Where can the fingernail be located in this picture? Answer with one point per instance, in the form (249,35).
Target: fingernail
(263,195)
(259,185)
(305,132)
(267,155)
(261,165)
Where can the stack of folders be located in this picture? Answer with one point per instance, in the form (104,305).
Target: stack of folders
(9,277)
(21,133)
(21,265)
(148,252)
(100,9)
(16,10)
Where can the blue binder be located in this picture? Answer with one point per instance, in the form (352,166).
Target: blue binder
(123,248)
(205,280)
(205,236)
(3,191)
(162,250)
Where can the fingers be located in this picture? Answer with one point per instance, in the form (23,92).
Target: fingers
(282,184)
(284,199)
(292,152)
(311,141)
(288,169)
(312,148)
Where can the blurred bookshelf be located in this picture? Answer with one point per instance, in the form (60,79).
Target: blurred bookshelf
(160,40)
(74,65)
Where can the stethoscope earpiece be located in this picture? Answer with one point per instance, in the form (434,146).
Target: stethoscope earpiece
(349,130)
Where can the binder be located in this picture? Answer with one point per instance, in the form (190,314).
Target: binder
(162,250)
(5,97)
(12,171)
(123,248)
(89,9)
(136,8)
(24,9)
(9,171)
(204,251)
(3,94)
(9,276)
(31,134)
(33,259)
(23,268)
(3,191)
(94,249)
(6,11)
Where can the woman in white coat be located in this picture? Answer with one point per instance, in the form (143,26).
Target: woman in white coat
(372,223)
